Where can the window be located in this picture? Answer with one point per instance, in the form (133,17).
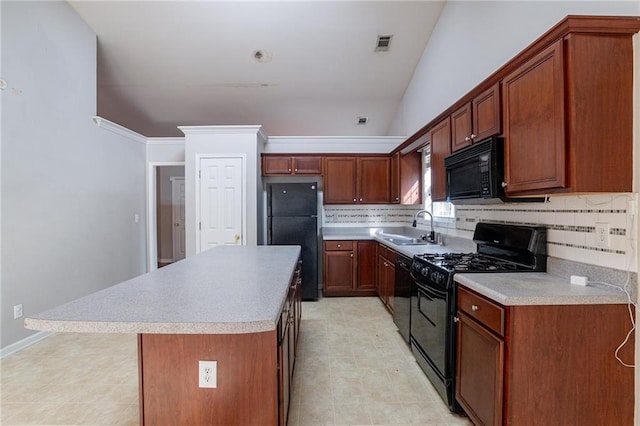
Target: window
(439,209)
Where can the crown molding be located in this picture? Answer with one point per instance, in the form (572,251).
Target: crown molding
(118,129)
(165,141)
(195,130)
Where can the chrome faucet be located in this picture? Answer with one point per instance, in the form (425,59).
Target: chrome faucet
(415,222)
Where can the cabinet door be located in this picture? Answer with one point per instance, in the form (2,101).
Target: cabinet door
(390,281)
(373,180)
(486,114)
(366,277)
(276,165)
(381,278)
(284,381)
(339,272)
(340,180)
(307,165)
(461,128)
(440,137)
(394,179)
(479,375)
(534,123)
(411,171)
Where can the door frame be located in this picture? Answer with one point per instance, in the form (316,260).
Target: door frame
(152,217)
(173,180)
(243,219)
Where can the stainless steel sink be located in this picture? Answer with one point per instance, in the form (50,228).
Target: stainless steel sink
(403,240)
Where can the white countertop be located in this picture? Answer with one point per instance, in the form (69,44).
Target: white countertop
(537,288)
(225,290)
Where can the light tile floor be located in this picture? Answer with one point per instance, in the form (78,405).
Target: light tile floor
(353,368)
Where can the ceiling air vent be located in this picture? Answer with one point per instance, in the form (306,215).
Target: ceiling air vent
(362,120)
(384,41)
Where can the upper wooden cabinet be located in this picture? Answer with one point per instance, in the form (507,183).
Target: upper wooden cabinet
(406,178)
(286,165)
(440,137)
(362,180)
(568,117)
(476,120)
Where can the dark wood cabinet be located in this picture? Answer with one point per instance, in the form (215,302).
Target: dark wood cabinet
(406,178)
(288,329)
(568,117)
(386,275)
(287,165)
(440,137)
(476,120)
(543,364)
(361,180)
(349,268)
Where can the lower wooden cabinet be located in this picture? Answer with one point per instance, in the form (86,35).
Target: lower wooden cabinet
(288,329)
(349,268)
(386,275)
(543,365)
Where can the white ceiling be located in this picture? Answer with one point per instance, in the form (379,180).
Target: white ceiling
(169,63)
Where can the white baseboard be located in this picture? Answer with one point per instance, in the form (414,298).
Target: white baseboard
(24,343)
(165,260)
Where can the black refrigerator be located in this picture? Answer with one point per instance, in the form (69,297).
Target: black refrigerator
(292,219)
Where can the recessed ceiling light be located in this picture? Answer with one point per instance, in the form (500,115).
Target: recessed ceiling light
(383,43)
(362,120)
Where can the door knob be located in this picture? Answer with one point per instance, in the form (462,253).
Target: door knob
(177,224)
(236,237)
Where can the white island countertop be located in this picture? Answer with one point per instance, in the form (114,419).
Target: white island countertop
(224,290)
(537,288)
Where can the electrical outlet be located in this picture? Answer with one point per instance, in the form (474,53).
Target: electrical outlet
(17,311)
(602,234)
(208,374)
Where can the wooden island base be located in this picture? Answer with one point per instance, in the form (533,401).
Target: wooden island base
(247,379)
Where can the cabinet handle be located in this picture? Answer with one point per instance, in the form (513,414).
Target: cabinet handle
(467,139)
(503,184)
(473,136)
(474,308)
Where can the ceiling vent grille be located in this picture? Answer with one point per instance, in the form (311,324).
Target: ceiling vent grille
(362,120)
(383,43)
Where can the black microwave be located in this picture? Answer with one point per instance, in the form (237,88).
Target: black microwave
(475,174)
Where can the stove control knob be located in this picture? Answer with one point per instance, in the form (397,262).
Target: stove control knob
(425,272)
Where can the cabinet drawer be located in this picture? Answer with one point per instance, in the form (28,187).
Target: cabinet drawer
(338,245)
(483,310)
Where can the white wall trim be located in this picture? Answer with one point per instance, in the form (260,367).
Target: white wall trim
(194,130)
(24,343)
(165,141)
(328,140)
(118,129)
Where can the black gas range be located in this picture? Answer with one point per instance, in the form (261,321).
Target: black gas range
(500,248)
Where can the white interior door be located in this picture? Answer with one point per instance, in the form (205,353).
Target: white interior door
(221,201)
(177,209)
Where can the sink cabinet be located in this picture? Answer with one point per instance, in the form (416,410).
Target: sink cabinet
(386,275)
(348,268)
(546,365)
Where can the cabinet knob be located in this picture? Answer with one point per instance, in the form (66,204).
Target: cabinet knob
(289,169)
(397,198)
(351,255)
(473,136)
(503,184)
(354,200)
(456,319)
(467,139)
(360,199)
(295,170)
(474,308)
(339,245)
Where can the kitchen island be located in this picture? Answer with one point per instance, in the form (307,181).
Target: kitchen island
(236,305)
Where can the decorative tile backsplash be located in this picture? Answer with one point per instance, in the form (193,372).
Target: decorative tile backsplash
(571,221)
